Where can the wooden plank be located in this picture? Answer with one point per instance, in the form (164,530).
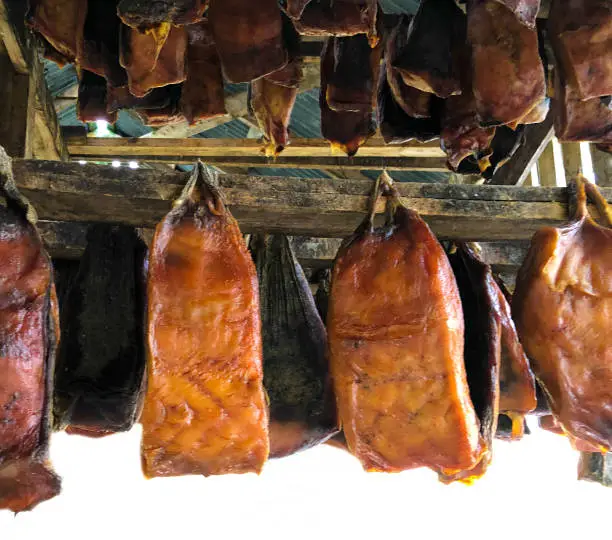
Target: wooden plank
(602,166)
(294,206)
(546,167)
(537,137)
(12,33)
(16,118)
(572,160)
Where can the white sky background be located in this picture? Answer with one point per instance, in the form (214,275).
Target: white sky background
(530,490)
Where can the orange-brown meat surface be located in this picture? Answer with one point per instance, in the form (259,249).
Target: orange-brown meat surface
(338,18)
(507,72)
(562,307)
(205,411)
(153,59)
(581,36)
(395,330)
(60,22)
(145,14)
(202,95)
(272,104)
(27,348)
(248,36)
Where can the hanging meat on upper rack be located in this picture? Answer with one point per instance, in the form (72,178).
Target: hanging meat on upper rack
(504,145)
(427,59)
(294,8)
(507,74)
(396,333)
(296,372)
(92,98)
(517,387)
(562,307)
(169,113)
(351,85)
(345,130)
(100,365)
(414,102)
(337,18)
(146,14)
(482,349)
(525,11)
(205,409)
(29,332)
(467,144)
(98,44)
(60,22)
(153,59)
(248,36)
(120,97)
(581,35)
(202,94)
(273,96)
(397,127)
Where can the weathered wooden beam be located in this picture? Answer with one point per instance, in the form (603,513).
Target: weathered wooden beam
(42,138)
(294,206)
(547,169)
(602,166)
(537,136)
(572,160)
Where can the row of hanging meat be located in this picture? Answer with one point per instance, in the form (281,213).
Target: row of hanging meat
(223,357)
(472,76)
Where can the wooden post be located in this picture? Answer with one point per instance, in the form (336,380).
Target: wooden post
(602,166)
(16,114)
(572,160)
(546,167)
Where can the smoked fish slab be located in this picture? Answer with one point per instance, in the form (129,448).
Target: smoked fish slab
(205,410)
(395,330)
(144,14)
(562,307)
(482,349)
(249,37)
(296,370)
(29,331)
(101,361)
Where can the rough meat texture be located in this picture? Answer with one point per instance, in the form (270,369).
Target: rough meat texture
(98,44)
(352,83)
(205,410)
(338,18)
(581,34)
(345,130)
(577,120)
(507,73)
(101,360)
(248,36)
(154,60)
(414,102)
(396,126)
(272,105)
(27,347)
(203,95)
(143,14)
(482,350)
(525,11)
(562,307)
(428,60)
(296,371)
(60,22)
(396,350)
(516,380)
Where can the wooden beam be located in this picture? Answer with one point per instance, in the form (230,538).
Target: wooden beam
(294,206)
(546,167)
(572,160)
(602,166)
(537,136)
(12,33)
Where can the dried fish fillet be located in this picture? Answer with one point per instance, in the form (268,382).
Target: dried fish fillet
(296,371)
(29,331)
(395,328)
(205,410)
(562,307)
